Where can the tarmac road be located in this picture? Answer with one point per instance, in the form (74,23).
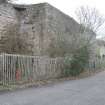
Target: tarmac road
(88,91)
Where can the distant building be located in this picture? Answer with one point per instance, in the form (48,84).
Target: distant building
(100,48)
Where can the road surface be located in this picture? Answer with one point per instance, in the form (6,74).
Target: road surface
(88,91)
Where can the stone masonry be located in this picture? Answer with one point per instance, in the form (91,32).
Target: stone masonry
(38,24)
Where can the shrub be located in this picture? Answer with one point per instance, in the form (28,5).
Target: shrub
(75,65)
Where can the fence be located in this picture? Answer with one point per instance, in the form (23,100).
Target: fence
(16,69)
(97,63)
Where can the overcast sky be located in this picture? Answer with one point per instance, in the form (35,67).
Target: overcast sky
(69,6)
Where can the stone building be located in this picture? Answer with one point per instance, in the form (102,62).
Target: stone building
(38,25)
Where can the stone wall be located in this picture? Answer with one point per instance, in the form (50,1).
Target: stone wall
(7,16)
(39,24)
(32,24)
(58,24)
(7,19)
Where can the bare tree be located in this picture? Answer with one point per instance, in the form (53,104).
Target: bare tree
(90,18)
(90,22)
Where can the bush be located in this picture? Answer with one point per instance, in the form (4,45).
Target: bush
(75,65)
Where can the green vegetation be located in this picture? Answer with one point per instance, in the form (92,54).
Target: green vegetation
(77,64)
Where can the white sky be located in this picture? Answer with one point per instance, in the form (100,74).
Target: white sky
(69,6)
